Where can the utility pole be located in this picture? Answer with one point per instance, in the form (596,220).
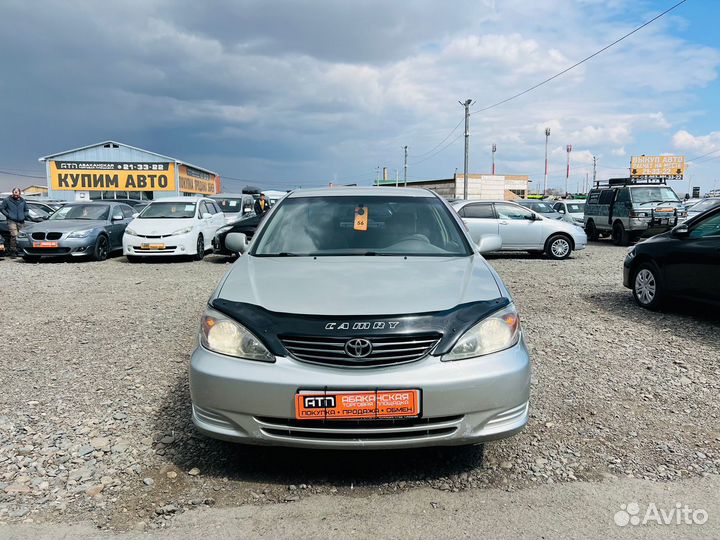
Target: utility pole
(494,149)
(594,170)
(397,177)
(405,167)
(547,136)
(466,104)
(585,186)
(567,172)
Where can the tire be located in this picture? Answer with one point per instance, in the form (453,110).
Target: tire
(620,236)
(31,258)
(558,247)
(132,259)
(647,286)
(101,249)
(591,231)
(200,248)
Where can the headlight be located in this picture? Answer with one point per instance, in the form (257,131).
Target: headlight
(630,253)
(22,234)
(499,331)
(184,230)
(130,231)
(80,234)
(225,336)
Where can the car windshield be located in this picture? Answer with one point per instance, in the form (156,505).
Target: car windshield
(231,206)
(707,204)
(653,194)
(576,208)
(361,226)
(82,211)
(542,208)
(168,210)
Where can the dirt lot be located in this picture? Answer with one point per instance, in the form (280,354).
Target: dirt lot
(95,423)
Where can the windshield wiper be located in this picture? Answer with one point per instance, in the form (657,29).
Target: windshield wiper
(282,254)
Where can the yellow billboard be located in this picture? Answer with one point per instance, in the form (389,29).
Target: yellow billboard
(111,176)
(667,166)
(196,181)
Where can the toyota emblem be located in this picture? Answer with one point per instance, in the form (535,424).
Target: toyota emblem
(358,348)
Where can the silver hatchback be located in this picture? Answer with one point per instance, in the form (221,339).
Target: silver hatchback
(360,318)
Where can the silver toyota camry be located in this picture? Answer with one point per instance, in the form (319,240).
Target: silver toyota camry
(360,318)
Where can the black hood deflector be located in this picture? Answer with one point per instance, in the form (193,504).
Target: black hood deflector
(268,325)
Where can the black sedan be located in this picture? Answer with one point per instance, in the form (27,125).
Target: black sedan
(246,225)
(682,263)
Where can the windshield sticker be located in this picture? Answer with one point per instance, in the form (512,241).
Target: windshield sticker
(361,219)
(188,207)
(233,203)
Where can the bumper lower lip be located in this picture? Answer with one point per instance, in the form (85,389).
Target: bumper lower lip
(182,244)
(77,247)
(464,402)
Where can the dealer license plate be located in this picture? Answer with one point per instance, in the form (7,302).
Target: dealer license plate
(152,246)
(353,405)
(45,244)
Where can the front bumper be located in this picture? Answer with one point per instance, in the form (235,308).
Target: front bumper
(75,247)
(182,244)
(463,402)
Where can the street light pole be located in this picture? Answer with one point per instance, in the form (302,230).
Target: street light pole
(405,167)
(547,136)
(567,172)
(466,104)
(494,149)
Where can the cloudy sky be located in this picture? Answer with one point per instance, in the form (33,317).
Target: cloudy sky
(302,92)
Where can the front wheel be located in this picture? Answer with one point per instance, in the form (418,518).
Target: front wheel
(558,247)
(647,286)
(200,248)
(620,236)
(100,251)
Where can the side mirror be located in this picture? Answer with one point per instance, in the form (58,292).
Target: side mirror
(681,230)
(206,215)
(118,217)
(487,243)
(561,210)
(236,242)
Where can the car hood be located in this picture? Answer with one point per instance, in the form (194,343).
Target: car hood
(359,285)
(60,225)
(551,224)
(160,226)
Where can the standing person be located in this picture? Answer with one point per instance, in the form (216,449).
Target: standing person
(261,205)
(15,209)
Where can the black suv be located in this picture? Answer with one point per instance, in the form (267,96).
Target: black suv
(684,262)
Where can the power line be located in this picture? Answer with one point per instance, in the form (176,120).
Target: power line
(441,142)
(23,175)
(581,61)
(440,150)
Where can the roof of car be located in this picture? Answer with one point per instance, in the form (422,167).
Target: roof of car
(188,200)
(459,202)
(229,195)
(362,192)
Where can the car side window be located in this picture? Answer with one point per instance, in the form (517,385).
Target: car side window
(558,206)
(606,196)
(205,209)
(709,227)
(623,195)
(511,211)
(127,211)
(481,211)
(117,213)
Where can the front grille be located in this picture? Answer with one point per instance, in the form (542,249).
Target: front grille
(360,430)
(386,350)
(38,236)
(54,236)
(47,251)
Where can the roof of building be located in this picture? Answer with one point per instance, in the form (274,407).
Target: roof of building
(103,143)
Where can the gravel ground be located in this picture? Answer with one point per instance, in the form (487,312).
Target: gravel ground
(95,423)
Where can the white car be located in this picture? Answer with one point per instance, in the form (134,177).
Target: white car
(520,228)
(173,226)
(572,211)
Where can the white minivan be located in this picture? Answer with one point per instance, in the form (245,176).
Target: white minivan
(173,226)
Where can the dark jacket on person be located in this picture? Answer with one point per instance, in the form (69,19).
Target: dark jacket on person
(15,210)
(259,210)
